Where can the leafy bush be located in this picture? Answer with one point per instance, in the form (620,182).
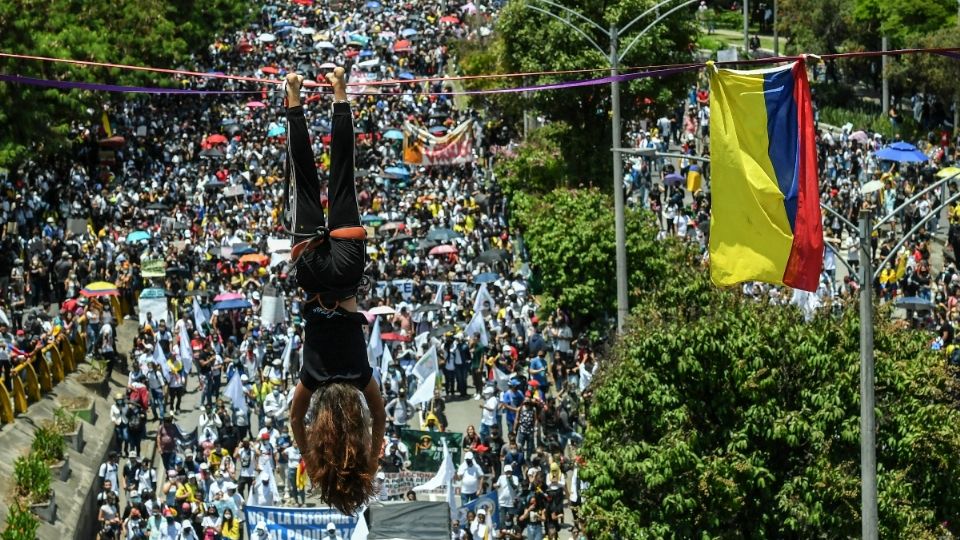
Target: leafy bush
(32,479)
(64,421)
(538,165)
(48,444)
(21,524)
(569,234)
(731,415)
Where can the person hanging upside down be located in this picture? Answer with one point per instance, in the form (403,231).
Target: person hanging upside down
(337,413)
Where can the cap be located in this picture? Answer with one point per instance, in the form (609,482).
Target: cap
(331,527)
(229,485)
(262,526)
(264,436)
(118,395)
(264,476)
(172,472)
(133,454)
(506,348)
(244,378)
(468,455)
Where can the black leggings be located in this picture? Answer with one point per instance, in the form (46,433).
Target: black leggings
(335,266)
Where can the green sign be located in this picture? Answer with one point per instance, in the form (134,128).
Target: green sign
(426,448)
(153,268)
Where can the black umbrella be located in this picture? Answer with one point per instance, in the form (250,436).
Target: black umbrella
(180,226)
(400,238)
(178,270)
(443,235)
(428,307)
(213,186)
(491,256)
(441,330)
(427,244)
(195,292)
(212,153)
(157,206)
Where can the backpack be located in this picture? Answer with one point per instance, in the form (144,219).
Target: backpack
(133,418)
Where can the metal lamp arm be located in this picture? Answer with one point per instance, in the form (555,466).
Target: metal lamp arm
(566,22)
(934,213)
(851,228)
(906,203)
(575,13)
(651,25)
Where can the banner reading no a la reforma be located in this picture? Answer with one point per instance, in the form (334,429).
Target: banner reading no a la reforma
(298,523)
(420,147)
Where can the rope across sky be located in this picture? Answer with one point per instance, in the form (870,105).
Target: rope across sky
(633,73)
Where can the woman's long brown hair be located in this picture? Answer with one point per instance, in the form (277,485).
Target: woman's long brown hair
(338,442)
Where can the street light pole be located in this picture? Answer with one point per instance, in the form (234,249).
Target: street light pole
(746,28)
(776,33)
(868,426)
(618,203)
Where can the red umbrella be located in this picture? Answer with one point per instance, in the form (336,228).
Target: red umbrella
(303,2)
(270,70)
(216,139)
(393,336)
(444,249)
(401,45)
(351,53)
(449,19)
(113,142)
(256,104)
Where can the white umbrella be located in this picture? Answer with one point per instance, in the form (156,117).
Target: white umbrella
(324,45)
(266,38)
(382,310)
(373,62)
(328,65)
(307,31)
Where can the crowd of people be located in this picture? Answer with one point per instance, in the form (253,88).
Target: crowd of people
(196,183)
(677,191)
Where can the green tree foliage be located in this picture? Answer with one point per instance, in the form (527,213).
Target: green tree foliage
(815,26)
(156,33)
(717,416)
(21,524)
(528,41)
(538,166)
(570,238)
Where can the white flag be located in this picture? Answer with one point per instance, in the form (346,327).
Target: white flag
(287,352)
(438,298)
(3,317)
(360,532)
(444,474)
(160,359)
(376,342)
(235,393)
(424,390)
(426,371)
(186,353)
(478,325)
(483,296)
(427,365)
(385,362)
(422,340)
(502,379)
(199,317)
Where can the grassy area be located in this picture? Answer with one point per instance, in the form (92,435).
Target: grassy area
(730,37)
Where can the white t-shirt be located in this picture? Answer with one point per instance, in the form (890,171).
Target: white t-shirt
(506,490)
(108,471)
(293,457)
(470,476)
(488,416)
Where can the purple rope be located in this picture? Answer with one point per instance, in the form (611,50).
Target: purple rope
(101,87)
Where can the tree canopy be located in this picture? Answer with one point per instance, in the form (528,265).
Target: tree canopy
(570,237)
(142,32)
(720,416)
(529,41)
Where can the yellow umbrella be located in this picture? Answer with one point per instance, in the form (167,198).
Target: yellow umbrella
(100,288)
(948,171)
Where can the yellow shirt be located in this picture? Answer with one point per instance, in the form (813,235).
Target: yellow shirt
(231,533)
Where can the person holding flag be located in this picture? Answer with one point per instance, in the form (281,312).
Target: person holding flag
(337,390)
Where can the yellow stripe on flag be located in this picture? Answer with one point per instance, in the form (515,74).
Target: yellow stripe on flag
(105,120)
(750,234)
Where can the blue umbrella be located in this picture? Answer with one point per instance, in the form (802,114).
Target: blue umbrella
(901,152)
(363,40)
(393,134)
(373,4)
(276,131)
(437,130)
(914,303)
(232,304)
(486,277)
(366,53)
(405,76)
(138,236)
(281,24)
(242,249)
(407,32)
(282,31)
(397,171)
(372,219)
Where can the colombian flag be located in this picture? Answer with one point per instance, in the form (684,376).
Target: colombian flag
(765,223)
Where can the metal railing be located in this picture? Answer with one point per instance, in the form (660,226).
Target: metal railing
(46,367)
